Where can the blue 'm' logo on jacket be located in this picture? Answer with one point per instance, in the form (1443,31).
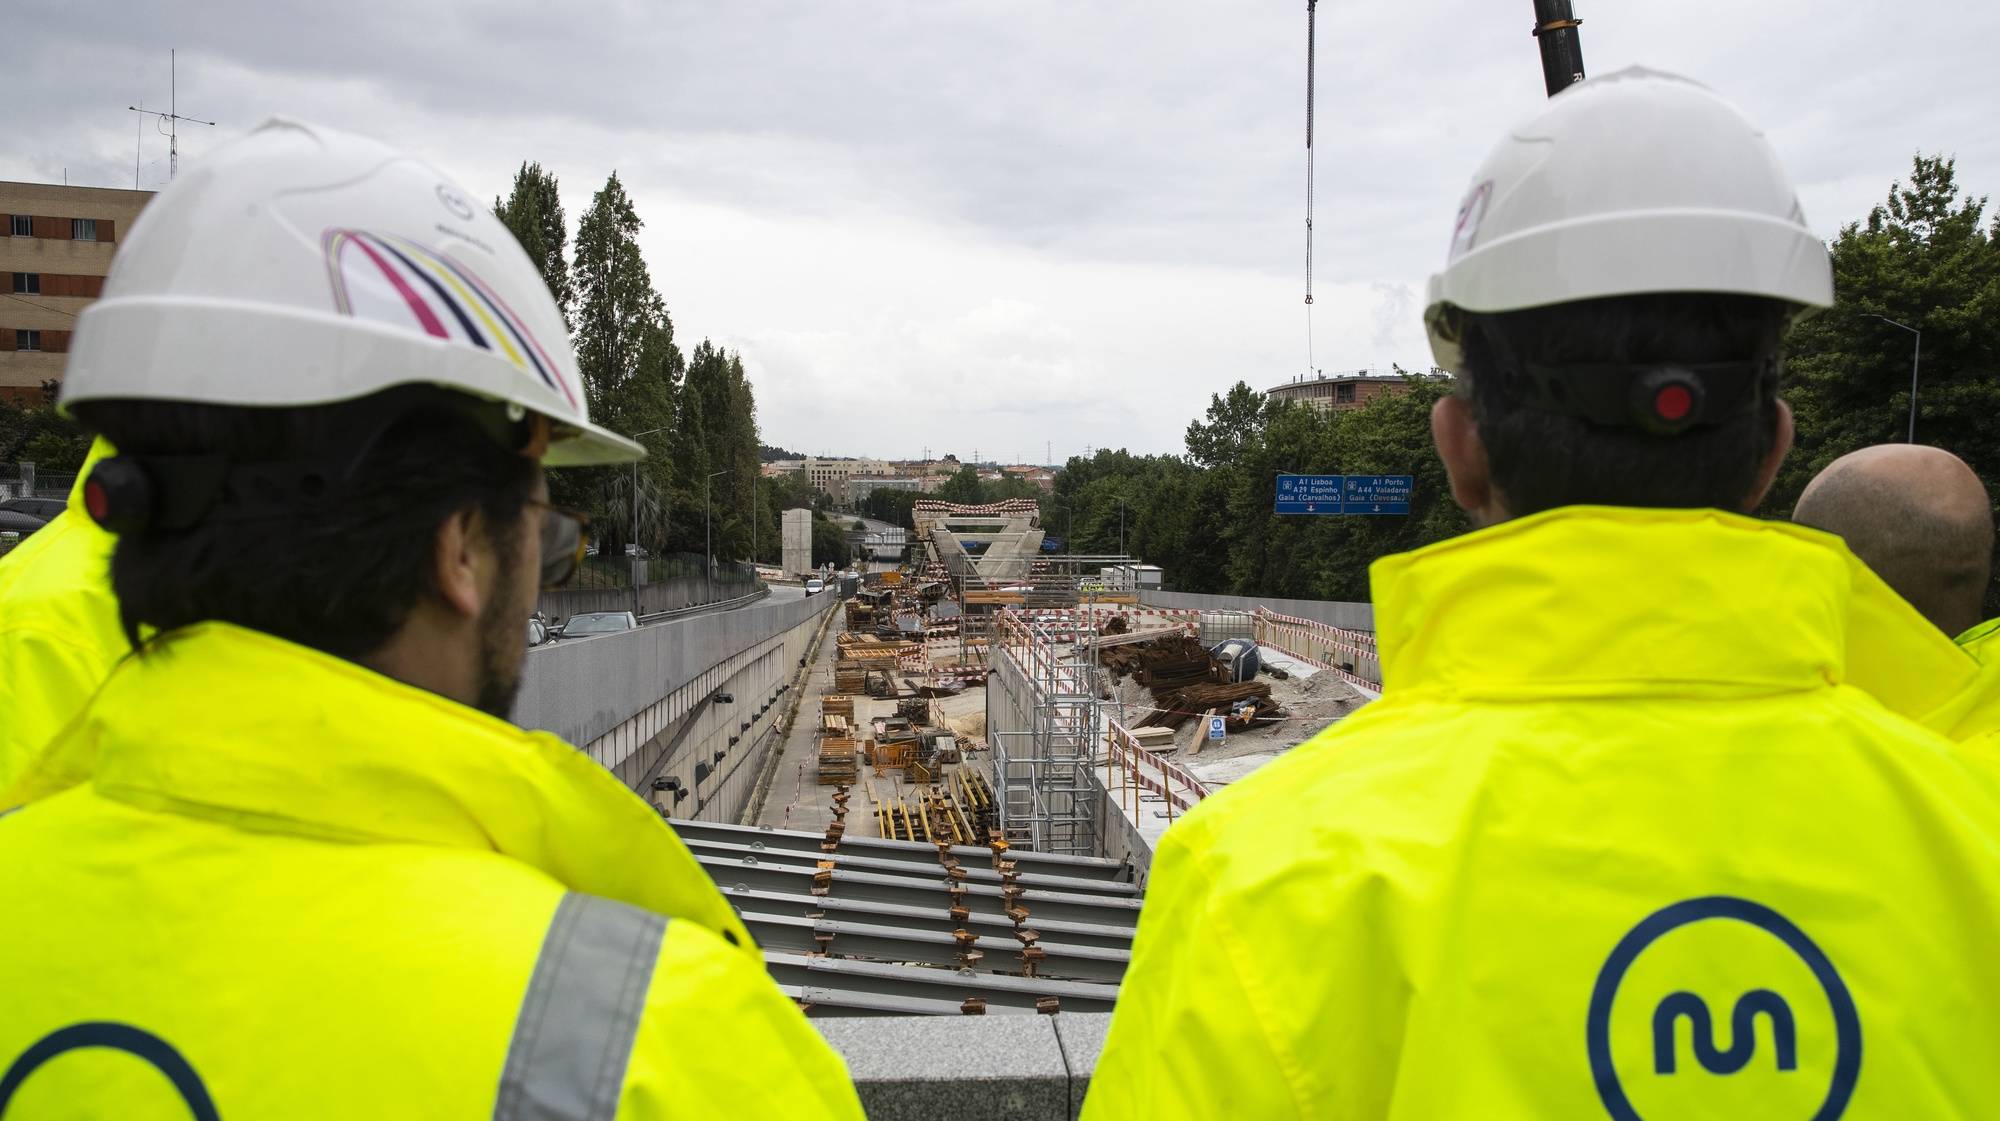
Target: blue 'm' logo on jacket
(1742,1029)
(1759,1003)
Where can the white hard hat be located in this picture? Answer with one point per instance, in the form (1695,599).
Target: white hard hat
(1631,183)
(306,266)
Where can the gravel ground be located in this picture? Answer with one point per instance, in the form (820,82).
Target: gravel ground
(1311,705)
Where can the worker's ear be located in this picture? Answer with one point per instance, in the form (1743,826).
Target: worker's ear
(456,562)
(1781,444)
(1456,435)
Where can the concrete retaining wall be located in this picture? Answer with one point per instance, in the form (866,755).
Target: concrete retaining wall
(584,688)
(674,594)
(1010,701)
(648,704)
(716,777)
(1352,616)
(1122,839)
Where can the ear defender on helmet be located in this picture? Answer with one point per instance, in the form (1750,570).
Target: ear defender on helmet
(128,494)
(1664,399)
(1667,401)
(118,495)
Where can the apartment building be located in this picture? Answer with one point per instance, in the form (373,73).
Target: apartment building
(56,250)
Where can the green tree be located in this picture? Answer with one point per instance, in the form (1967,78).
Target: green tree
(829,541)
(1207,519)
(533,212)
(965,488)
(1927,259)
(631,373)
(722,408)
(1232,421)
(34,432)
(897,507)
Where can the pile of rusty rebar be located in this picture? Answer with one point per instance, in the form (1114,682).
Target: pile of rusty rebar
(1175,707)
(1162,663)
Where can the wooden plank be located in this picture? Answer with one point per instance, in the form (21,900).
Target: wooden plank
(1201,732)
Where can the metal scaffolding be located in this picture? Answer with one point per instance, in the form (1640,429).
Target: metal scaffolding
(1049,798)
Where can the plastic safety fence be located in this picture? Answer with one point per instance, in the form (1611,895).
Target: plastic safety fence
(1334,649)
(1031,639)
(1144,771)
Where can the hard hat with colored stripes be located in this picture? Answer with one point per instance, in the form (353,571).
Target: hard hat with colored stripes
(304,266)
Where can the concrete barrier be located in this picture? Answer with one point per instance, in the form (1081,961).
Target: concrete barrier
(970,1068)
(1350,616)
(661,595)
(689,705)
(582,688)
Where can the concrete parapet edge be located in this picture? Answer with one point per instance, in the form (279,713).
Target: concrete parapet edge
(1337,613)
(971,1068)
(581,689)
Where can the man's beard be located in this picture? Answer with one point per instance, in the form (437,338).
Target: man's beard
(503,645)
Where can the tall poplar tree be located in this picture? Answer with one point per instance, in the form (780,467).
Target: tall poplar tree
(533,213)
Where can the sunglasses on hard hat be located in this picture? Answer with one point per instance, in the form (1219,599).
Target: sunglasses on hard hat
(565,536)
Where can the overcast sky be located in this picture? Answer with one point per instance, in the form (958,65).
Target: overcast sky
(997,226)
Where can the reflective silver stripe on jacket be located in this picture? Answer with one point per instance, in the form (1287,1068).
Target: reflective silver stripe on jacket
(578,1021)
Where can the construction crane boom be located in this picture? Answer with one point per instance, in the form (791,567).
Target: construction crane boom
(1562,50)
(1312,50)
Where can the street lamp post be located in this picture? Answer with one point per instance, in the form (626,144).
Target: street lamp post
(635,514)
(1916,357)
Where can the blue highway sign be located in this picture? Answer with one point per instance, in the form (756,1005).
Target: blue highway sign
(1308,494)
(1377,494)
(1344,494)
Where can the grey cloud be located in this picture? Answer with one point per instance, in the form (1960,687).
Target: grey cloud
(1087,145)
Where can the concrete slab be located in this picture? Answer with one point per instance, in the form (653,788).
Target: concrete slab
(972,1068)
(1081,1035)
(796,799)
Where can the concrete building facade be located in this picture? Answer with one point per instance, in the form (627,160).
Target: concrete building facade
(1339,392)
(56,247)
(831,476)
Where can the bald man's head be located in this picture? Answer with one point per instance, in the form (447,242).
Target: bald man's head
(1916,515)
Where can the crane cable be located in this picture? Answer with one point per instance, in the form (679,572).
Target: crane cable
(1311,43)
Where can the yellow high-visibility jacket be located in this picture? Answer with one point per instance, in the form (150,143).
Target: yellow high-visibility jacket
(1617,841)
(1974,715)
(255,881)
(59,632)
(1982,641)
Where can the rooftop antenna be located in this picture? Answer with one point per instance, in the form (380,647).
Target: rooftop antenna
(172,118)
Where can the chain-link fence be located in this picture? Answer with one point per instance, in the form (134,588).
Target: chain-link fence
(46,489)
(24,480)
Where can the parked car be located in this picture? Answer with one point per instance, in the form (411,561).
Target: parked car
(26,515)
(595,622)
(815,586)
(43,508)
